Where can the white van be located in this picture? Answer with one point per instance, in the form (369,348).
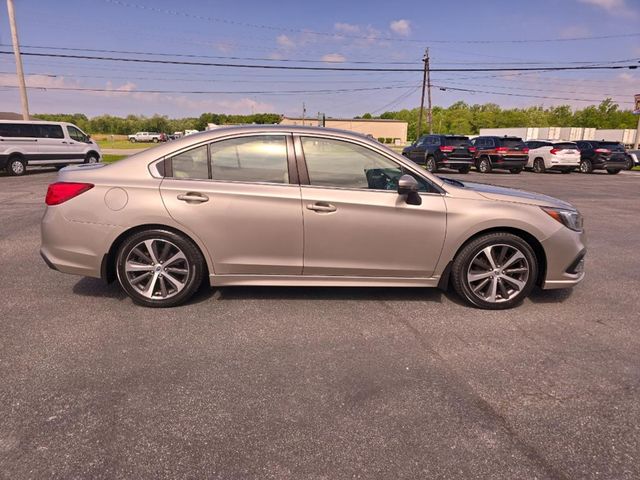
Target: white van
(40,143)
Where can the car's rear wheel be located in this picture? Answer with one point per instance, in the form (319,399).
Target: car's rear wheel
(538,165)
(586,166)
(464,169)
(155,140)
(613,171)
(159,268)
(431,165)
(485,165)
(495,271)
(16,166)
(132,140)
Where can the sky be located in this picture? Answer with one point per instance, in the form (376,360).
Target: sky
(328,33)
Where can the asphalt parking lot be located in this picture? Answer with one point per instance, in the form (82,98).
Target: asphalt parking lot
(323,383)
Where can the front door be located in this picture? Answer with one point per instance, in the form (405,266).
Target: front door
(236,195)
(76,144)
(356,224)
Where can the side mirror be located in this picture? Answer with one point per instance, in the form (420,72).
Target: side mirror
(409,186)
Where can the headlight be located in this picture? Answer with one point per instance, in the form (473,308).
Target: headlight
(569,218)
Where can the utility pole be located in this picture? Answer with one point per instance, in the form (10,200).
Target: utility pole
(429,112)
(424,83)
(304,111)
(16,53)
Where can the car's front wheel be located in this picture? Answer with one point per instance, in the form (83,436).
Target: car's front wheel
(586,166)
(495,271)
(159,268)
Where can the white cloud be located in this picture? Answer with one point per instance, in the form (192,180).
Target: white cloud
(285,41)
(346,27)
(334,58)
(401,27)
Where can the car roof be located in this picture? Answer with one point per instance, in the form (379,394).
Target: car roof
(37,122)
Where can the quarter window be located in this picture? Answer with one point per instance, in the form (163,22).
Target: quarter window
(17,130)
(335,163)
(191,164)
(260,158)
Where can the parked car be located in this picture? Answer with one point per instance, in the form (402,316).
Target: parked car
(39,143)
(601,155)
(442,151)
(548,156)
(507,153)
(145,137)
(220,206)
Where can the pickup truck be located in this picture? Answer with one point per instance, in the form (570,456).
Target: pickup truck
(145,137)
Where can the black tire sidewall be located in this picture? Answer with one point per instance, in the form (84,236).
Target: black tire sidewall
(431,161)
(469,251)
(191,251)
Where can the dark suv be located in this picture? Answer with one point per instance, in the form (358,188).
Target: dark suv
(508,153)
(601,155)
(442,151)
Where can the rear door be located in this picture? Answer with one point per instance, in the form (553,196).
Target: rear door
(241,197)
(355,223)
(419,151)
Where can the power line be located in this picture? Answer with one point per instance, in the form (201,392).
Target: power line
(333,69)
(186,14)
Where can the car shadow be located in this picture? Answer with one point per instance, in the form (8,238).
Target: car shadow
(30,171)
(550,296)
(97,288)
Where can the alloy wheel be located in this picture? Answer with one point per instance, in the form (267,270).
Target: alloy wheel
(17,167)
(498,273)
(157,269)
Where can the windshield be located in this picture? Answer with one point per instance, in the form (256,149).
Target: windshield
(451,181)
(613,146)
(457,141)
(511,143)
(565,146)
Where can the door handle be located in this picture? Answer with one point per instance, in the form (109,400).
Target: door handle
(193,197)
(64,142)
(322,207)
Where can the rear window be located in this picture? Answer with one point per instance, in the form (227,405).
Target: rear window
(511,142)
(456,141)
(17,130)
(613,146)
(565,146)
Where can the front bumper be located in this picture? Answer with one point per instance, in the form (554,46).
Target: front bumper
(564,250)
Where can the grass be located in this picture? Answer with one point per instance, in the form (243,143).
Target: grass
(112,158)
(637,169)
(122,144)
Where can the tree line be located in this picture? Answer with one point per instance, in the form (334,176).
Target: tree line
(463,118)
(460,118)
(111,124)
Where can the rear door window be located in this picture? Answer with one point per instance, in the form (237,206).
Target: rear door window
(613,146)
(512,143)
(50,131)
(17,130)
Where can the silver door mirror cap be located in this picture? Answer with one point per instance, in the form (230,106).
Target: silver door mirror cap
(407,184)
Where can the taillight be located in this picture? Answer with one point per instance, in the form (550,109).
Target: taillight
(553,151)
(525,150)
(60,192)
(472,149)
(602,150)
(502,149)
(447,149)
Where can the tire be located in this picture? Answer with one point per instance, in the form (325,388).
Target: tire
(91,158)
(431,165)
(515,171)
(585,166)
(484,166)
(155,140)
(132,140)
(565,171)
(156,280)
(629,163)
(16,166)
(464,169)
(494,289)
(538,166)
(613,171)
